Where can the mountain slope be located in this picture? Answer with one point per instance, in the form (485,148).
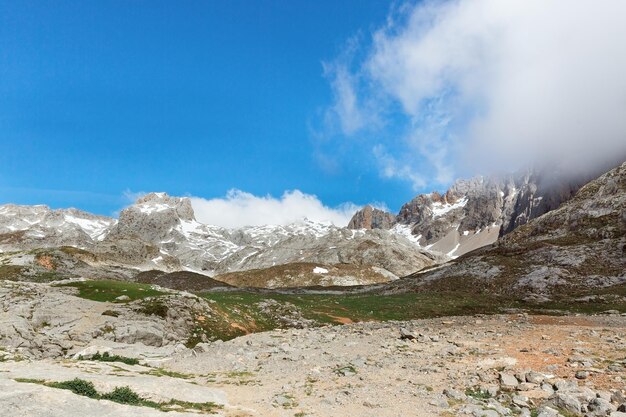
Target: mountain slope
(29,227)
(578,249)
(475,212)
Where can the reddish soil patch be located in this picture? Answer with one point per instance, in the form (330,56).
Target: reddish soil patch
(552,342)
(562,321)
(341,320)
(46,261)
(240,327)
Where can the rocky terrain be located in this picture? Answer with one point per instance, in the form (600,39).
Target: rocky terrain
(500,365)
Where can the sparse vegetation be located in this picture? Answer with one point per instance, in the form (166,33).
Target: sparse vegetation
(106,357)
(477,393)
(154,307)
(77,386)
(347,370)
(107,290)
(124,395)
(164,372)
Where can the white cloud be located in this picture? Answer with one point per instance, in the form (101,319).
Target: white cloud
(343,84)
(392,168)
(496,84)
(240,208)
(350,112)
(132,196)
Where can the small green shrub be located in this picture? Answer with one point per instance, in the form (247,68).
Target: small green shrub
(154,308)
(111,313)
(106,357)
(123,395)
(77,386)
(477,393)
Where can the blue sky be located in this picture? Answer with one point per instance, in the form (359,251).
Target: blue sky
(99,98)
(352,101)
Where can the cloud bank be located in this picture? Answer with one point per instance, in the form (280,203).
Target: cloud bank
(490,85)
(240,208)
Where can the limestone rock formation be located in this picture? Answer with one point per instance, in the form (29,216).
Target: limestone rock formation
(372,218)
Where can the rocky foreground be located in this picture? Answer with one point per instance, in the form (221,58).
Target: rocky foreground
(459,366)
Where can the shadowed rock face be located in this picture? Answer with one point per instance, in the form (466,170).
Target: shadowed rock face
(372,218)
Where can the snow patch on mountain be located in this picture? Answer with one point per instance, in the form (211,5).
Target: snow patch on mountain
(439,209)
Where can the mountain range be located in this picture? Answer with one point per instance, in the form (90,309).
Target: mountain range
(160,233)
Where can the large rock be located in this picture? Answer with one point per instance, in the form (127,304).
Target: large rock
(46,321)
(371,218)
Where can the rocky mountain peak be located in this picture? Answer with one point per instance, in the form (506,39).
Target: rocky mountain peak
(372,218)
(157,202)
(153,217)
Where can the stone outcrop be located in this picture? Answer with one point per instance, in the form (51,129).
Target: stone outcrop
(372,218)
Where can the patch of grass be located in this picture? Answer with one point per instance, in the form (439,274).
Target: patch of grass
(309,385)
(77,386)
(287,401)
(208,407)
(242,308)
(106,357)
(477,393)
(153,307)
(11,272)
(238,378)
(111,313)
(159,372)
(124,395)
(30,381)
(108,291)
(567,413)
